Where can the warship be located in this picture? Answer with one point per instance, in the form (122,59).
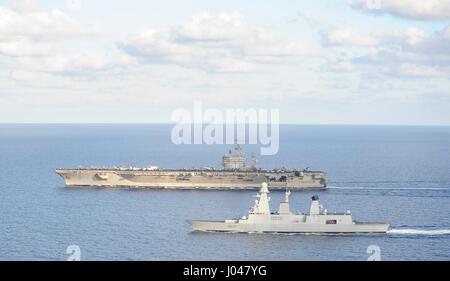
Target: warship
(261,219)
(235,174)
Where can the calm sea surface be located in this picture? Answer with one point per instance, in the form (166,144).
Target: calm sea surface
(396,174)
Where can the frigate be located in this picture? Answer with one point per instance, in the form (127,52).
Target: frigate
(235,174)
(261,219)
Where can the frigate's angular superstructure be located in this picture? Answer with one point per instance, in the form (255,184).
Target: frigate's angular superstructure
(261,219)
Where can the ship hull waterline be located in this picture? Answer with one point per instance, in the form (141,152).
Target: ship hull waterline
(184,179)
(233,227)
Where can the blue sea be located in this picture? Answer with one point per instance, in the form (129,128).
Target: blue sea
(395,174)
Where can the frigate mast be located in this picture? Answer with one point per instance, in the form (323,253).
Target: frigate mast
(261,219)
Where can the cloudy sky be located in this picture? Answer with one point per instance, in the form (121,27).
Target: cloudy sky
(319,62)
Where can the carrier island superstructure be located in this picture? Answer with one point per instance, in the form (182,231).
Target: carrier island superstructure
(235,174)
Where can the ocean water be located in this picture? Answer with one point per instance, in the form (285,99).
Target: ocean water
(396,174)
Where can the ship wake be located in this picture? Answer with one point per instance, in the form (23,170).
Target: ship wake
(418,231)
(381,188)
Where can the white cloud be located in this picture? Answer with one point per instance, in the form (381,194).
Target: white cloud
(339,34)
(40,25)
(93,62)
(340,66)
(412,9)
(409,53)
(346,35)
(222,27)
(23,46)
(218,43)
(35,40)
(414,70)
(86,63)
(415,46)
(446,33)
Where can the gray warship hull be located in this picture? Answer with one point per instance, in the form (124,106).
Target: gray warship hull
(261,219)
(237,227)
(192,179)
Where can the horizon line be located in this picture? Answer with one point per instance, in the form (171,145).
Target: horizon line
(171,123)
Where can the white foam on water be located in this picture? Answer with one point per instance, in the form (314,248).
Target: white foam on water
(415,231)
(386,188)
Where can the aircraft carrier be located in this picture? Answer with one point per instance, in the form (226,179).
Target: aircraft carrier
(235,174)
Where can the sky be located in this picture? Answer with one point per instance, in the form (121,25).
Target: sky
(318,62)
